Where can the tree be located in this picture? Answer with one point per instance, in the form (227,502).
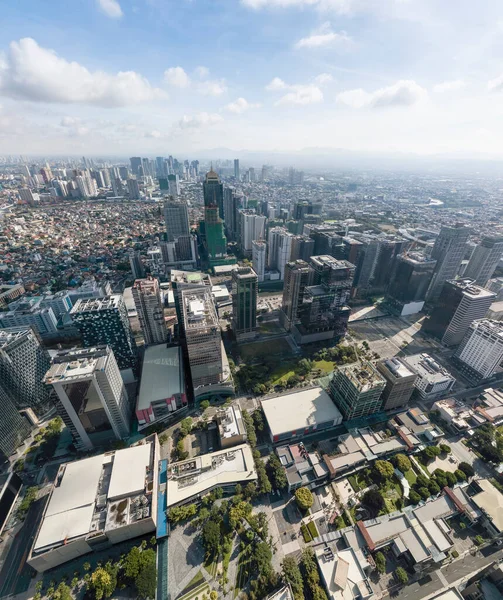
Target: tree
(450,478)
(384,468)
(211,538)
(424,492)
(163,438)
(380,561)
(86,566)
(445,449)
(258,420)
(402,463)
(374,501)
(182,513)
(262,557)
(62,592)
(250,428)
(146,581)
(276,472)
(103,582)
(213,595)
(204,405)
(292,576)
(414,497)
(433,488)
(460,475)
(263,483)
(304,498)
(421,481)
(132,563)
(186,426)
(180,450)
(304,366)
(401,575)
(467,469)
(250,490)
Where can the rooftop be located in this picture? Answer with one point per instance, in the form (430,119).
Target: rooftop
(490,500)
(397,368)
(198,475)
(162,374)
(343,573)
(363,375)
(298,410)
(427,368)
(70,365)
(198,308)
(96,304)
(86,491)
(470,289)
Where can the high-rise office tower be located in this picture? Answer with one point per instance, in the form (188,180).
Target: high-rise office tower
(298,275)
(23,364)
(160,167)
(136,264)
(233,201)
(448,251)
(409,282)
(399,383)
(252,227)
(104,321)
(460,303)
(93,401)
(236,168)
(356,390)
(145,163)
(258,258)
(135,165)
(481,351)
(324,313)
(216,242)
(213,192)
(147,299)
(14,428)
(207,359)
(244,302)
(279,248)
(133,189)
(174,185)
(302,248)
(485,259)
(176,216)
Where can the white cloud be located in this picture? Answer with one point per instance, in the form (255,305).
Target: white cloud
(111,8)
(276,84)
(240,106)
(323,78)
(202,72)
(199,120)
(30,72)
(339,6)
(74,127)
(495,85)
(298,94)
(449,86)
(216,87)
(176,77)
(325,37)
(153,134)
(69,121)
(403,93)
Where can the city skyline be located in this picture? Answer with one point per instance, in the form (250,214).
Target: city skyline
(263,75)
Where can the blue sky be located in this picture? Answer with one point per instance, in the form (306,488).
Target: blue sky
(158,76)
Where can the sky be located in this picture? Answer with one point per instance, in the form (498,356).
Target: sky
(159,77)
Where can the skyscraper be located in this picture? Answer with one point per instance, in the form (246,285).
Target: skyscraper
(485,259)
(258,258)
(409,282)
(298,276)
(208,362)
(23,364)
(399,383)
(176,216)
(14,428)
(104,321)
(93,401)
(174,185)
(133,189)
(216,242)
(460,303)
(147,299)
(135,165)
(252,227)
(302,248)
(233,201)
(213,192)
(236,168)
(244,302)
(448,251)
(279,249)
(324,312)
(136,264)
(481,351)
(356,390)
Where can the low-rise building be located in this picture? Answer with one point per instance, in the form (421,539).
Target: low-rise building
(97,501)
(303,468)
(415,421)
(162,387)
(432,379)
(490,406)
(458,415)
(231,428)
(294,415)
(345,573)
(191,479)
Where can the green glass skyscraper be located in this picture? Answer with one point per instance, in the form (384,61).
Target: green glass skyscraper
(216,242)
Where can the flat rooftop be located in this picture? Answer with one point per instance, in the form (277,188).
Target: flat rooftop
(96,304)
(427,368)
(470,288)
(162,375)
(299,410)
(398,368)
(198,309)
(86,491)
(364,376)
(196,476)
(490,500)
(71,365)
(12,334)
